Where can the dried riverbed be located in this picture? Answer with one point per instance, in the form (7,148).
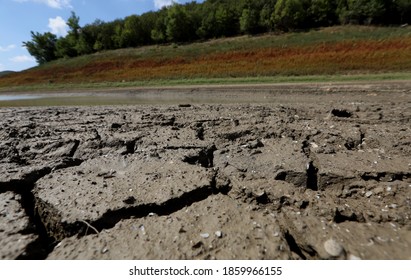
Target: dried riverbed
(275,172)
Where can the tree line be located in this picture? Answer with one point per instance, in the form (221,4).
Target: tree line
(213,19)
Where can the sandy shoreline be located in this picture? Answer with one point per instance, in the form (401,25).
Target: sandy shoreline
(272,172)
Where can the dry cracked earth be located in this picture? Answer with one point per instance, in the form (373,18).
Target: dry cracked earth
(304,172)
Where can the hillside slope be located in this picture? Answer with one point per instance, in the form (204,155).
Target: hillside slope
(4,73)
(334,50)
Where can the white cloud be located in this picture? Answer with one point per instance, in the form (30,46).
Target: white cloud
(2,67)
(22,59)
(56,4)
(8,48)
(161,3)
(58,26)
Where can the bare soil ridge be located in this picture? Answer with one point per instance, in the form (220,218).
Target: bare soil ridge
(316,172)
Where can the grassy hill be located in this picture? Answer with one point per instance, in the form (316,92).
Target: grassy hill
(343,50)
(4,73)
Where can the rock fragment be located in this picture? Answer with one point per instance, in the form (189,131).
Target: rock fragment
(333,248)
(205,235)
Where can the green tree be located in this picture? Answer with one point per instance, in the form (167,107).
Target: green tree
(207,27)
(68,46)
(73,23)
(117,37)
(42,46)
(218,20)
(194,13)
(404,10)
(106,37)
(131,35)
(147,21)
(266,20)
(177,24)
(361,11)
(323,12)
(83,45)
(226,21)
(289,14)
(88,37)
(249,21)
(158,33)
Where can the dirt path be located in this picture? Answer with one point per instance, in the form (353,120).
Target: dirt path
(308,171)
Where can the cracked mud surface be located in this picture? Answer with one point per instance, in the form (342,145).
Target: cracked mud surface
(303,172)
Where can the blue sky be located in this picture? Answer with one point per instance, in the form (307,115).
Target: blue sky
(19,17)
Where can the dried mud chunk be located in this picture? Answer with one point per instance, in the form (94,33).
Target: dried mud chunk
(13,218)
(267,192)
(141,185)
(234,135)
(343,214)
(279,160)
(15,246)
(365,240)
(15,228)
(345,168)
(374,241)
(203,157)
(239,234)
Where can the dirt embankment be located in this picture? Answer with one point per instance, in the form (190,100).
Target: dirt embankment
(318,172)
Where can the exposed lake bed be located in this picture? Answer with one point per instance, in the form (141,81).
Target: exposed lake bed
(247,172)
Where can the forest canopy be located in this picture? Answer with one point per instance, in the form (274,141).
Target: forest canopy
(213,19)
